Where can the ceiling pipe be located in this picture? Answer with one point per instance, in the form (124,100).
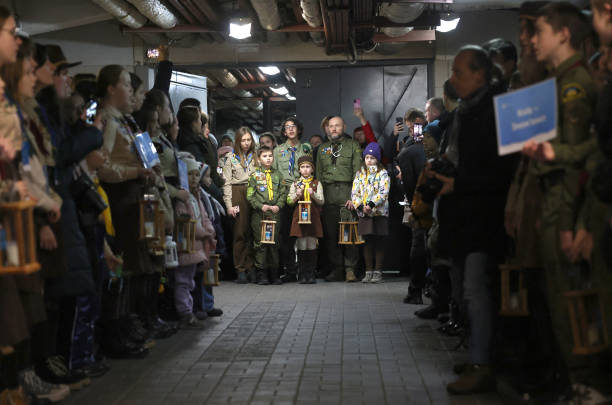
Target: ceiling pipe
(400,13)
(122,11)
(311,12)
(267,12)
(157,12)
(225,77)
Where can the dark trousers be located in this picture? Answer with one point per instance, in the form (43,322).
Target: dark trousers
(287,243)
(342,257)
(418,259)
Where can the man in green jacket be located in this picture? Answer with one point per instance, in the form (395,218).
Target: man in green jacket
(337,162)
(266,195)
(286,158)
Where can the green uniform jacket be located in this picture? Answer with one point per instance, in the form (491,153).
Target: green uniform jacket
(341,167)
(574,142)
(282,155)
(257,192)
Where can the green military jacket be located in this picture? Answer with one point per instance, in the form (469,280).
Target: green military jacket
(338,163)
(257,191)
(282,158)
(576,96)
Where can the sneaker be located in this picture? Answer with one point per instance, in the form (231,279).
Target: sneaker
(350,276)
(33,385)
(214,312)
(367,278)
(474,380)
(242,278)
(376,277)
(189,321)
(93,370)
(54,371)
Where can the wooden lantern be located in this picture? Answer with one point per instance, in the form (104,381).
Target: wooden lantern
(150,213)
(18,238)
(267,232)
(588,321)
(349,233)
(304,212)
(185,234)
(211,276)
(513,291)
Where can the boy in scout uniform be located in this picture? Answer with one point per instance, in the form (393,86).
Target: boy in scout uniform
(337,162)
(559,164)
(266,195)
(286,158)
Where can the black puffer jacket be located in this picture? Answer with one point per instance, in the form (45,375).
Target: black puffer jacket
(202,149)
(474,212)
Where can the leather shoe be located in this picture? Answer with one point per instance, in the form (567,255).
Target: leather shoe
(214,312)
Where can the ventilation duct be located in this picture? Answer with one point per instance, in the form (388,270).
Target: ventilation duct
(122,11)
(157,12)
(267,12)
(400,13)
(225,77)
(311,12)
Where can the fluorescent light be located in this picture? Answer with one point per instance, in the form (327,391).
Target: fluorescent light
(290,97)
(269,70)
(446,26)
(280,90)
(240,28)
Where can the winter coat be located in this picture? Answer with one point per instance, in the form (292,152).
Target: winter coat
(204,230)
(202,149)
(411,161)
(371,188)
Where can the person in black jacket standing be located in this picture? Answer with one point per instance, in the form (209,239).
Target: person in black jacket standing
(478,196)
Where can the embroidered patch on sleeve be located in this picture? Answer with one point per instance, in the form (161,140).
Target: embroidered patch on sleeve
(572,91)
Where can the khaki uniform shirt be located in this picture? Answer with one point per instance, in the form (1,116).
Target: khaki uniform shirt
(123,162)
(235,173)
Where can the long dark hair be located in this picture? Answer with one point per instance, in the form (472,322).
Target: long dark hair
(109,75)
(5,13)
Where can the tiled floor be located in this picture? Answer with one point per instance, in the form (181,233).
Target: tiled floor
(330,343)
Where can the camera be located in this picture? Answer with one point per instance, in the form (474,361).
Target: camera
(432,186)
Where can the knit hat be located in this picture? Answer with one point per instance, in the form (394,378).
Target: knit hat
(372,149)
(306,159)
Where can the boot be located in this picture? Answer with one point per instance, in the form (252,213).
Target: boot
(275,279)
(303,266)
(350,276)
(311,265)
(242,278)
(251,276)
(474,379)
(376,277)
(262,277)
(335,275)
(414,296)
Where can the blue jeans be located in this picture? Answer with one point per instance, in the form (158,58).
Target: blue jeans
(472,278)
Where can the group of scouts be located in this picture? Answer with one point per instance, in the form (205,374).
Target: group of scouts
(264,184)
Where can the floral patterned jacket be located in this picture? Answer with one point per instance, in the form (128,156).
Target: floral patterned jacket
(371,187)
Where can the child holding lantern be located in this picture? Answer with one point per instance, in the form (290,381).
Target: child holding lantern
(203,246)
(306,225)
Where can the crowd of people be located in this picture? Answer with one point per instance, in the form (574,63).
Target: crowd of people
(285,209)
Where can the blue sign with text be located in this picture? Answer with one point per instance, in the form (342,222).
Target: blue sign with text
(146,150)
(526,114)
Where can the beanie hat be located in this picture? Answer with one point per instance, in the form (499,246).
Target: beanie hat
(306,159)
(372,149)
(190,161)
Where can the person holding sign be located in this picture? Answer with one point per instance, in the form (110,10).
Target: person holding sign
(560,162)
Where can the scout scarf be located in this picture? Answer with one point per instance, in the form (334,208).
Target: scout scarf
(248,160)
(306,183)
(292,159)
(269,183)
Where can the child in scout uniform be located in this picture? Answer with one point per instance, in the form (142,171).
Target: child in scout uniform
(370,195)
(204,244)
(267,195)
(306,188)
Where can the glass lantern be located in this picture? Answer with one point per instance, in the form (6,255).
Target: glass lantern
(304,212)
(211,276)
(267,232)
(587,321)
(149,217)
(185,234)
(171,253)
(513,292)
(18,238)
(348,233)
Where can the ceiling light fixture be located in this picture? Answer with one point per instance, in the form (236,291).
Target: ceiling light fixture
(269,70)
(281,91)
(240,28)
(290,97)
(448,22)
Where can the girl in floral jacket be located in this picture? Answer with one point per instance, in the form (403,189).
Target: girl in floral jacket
(370,196)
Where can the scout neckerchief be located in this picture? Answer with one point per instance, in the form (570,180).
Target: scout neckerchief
(106,214)
(292,159)
(269,183)
(249,159)
(306,183)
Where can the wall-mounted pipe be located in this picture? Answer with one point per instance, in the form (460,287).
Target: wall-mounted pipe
(157,12)
(122,11)
(225,77)
(400,13)
(267,12)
